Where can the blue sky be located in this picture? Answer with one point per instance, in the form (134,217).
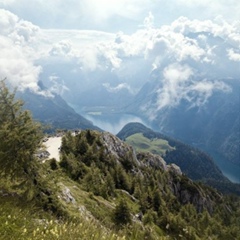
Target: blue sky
(117,15)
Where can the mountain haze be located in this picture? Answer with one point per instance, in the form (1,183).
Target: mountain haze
(54,112)
(213,127)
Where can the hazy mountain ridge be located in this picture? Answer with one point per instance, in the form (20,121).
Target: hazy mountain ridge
(54,111)
(213,126)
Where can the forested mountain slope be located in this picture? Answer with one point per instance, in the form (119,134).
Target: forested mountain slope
(194,163)
(213,126)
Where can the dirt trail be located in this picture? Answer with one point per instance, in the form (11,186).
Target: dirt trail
(53,144)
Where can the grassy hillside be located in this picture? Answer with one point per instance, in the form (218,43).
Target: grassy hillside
(101,190)
(144,144)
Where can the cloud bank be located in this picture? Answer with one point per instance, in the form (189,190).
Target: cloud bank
(188,58)
(117,15)
(17,57)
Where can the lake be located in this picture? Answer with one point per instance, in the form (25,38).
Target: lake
(114,122)
(229,169)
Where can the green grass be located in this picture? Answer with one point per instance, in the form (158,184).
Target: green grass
(143,144)
(27,222)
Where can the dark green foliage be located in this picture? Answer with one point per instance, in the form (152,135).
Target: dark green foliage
(53,164)
(105,175)
(122,215)
(156,200)
(121,178)
(76,169)
(90,137)
(20,139)
(142,200)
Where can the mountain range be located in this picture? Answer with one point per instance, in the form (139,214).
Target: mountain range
(182,80)
(104,187)
(214,127)
(54,112)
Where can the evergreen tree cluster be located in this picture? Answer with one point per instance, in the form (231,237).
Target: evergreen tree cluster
(152,194)
(20,139)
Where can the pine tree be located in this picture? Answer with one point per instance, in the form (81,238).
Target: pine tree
(20,137)
(122,215)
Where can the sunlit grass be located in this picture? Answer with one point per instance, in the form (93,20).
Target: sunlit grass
(26,222)
(143,144)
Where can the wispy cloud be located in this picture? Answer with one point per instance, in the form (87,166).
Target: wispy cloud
(118,88)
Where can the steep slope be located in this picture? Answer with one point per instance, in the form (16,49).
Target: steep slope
(100,183)
(54,111)
(194,163)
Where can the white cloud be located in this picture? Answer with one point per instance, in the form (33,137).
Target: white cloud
(118,88)
(16,67)
(180,84)
(179,51)
(58,86)
(234,56)
(7,22)
(149,21)
(16,60)
(173,89)
(25,31)
(176,73)
(62,48)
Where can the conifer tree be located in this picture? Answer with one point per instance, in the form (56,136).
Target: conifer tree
(122,215)
(20,137)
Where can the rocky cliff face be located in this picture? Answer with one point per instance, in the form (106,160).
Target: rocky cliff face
(114,146)
(183,188)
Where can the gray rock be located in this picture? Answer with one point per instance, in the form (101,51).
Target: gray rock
(152,160)
(175,169)
(67,196)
